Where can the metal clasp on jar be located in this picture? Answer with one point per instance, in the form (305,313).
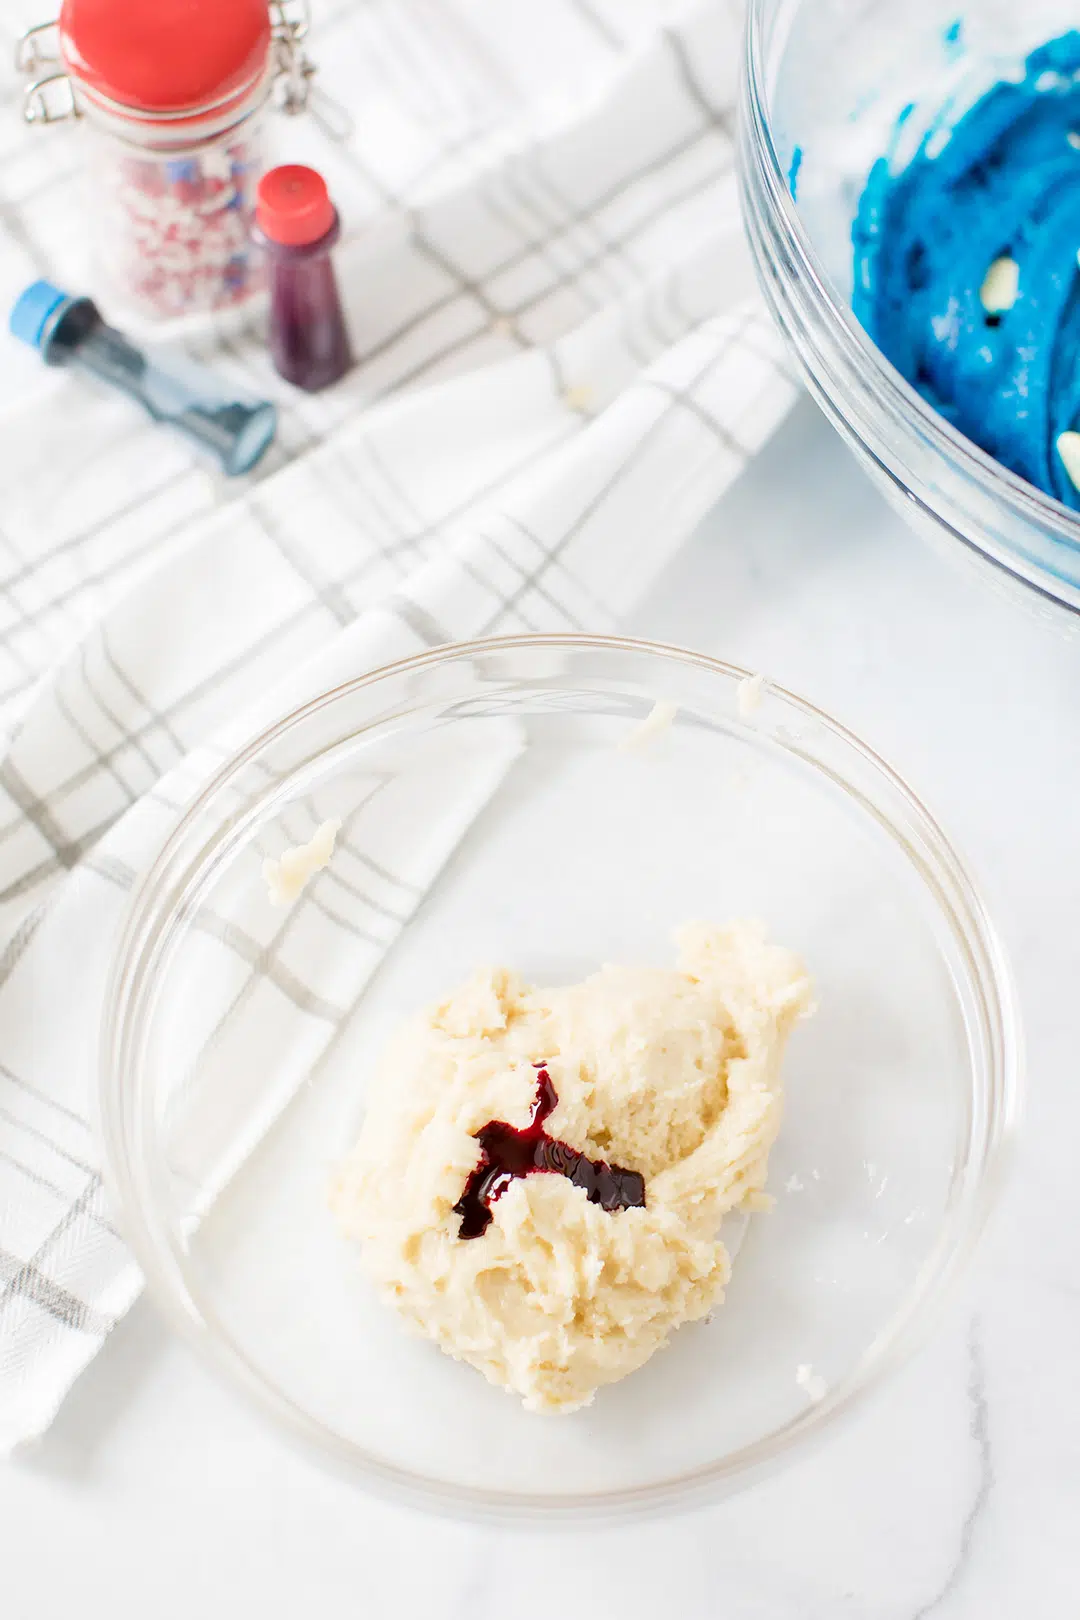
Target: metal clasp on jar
(294,91)
(289,24)
(48,98)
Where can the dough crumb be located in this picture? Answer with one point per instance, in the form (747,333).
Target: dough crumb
(1068,448)
(811,1383)
(750,695)
(1001,286)
(579,397)
(286,877)
(658,720)
(669,1077)
(794,1184)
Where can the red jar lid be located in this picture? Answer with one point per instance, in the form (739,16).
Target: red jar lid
(165,55)
(292,205)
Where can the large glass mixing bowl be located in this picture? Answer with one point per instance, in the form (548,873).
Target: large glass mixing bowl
(824,82)
(492,812)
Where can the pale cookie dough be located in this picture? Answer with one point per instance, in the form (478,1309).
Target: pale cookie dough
(287,877)
(671,1072)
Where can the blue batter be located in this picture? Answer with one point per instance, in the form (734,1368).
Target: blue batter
(1005,185)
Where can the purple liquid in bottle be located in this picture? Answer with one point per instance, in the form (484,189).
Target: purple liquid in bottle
(297,226)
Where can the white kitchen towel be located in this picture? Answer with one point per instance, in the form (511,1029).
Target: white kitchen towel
(585,293)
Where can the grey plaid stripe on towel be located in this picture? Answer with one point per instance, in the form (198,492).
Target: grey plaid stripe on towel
(553,314)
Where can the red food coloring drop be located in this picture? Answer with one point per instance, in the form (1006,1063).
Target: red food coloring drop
(510,1151)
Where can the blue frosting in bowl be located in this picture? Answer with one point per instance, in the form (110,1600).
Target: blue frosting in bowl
(1001,182)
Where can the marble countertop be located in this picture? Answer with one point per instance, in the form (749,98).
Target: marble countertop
(956,1492)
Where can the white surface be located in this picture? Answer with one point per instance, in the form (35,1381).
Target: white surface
(955,1493)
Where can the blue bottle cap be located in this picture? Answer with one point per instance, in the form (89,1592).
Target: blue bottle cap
(33,309)
(252,438)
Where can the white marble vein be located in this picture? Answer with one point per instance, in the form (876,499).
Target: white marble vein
(979,1414)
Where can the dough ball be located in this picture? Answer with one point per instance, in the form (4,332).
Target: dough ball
(670,1072)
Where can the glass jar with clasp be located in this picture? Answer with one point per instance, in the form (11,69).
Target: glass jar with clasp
(171,95)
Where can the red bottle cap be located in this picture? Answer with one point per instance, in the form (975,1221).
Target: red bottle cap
(292,205)
(165,55)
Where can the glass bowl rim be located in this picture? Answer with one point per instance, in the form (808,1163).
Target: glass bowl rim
(999,1088)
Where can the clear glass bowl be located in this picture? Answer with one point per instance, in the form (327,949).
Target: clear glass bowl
(823,83)
(238,1041)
